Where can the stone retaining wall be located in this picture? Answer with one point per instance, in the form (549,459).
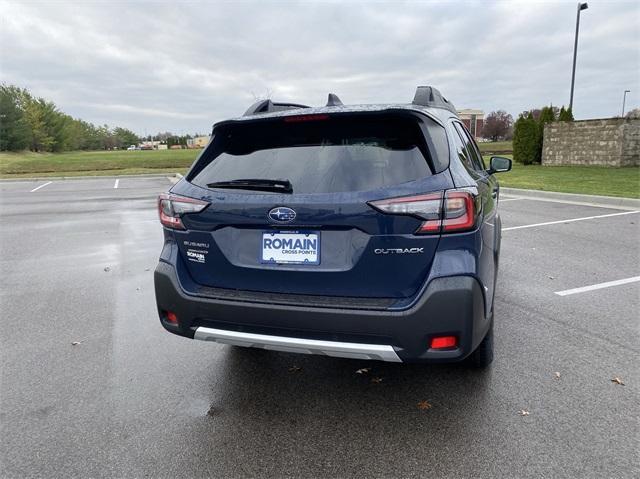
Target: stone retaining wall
(606,142)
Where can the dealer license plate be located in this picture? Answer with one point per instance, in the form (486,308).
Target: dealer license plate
(290,247)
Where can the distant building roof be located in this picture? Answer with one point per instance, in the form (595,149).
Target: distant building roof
(470,111)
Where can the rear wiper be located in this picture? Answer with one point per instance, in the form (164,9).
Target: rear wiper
(278,186)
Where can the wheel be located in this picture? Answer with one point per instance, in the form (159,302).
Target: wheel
(483,355)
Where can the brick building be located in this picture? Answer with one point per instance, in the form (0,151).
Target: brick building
(473,120)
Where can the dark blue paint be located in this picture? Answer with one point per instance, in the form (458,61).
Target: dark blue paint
(351,230)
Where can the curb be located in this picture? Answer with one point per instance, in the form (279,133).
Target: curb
(98,177)
(175,178)
(576,199)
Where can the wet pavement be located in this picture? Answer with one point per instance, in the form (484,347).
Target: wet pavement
(131,400)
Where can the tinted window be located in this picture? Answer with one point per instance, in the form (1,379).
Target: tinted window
(461,150)
(329,155)
(470,147)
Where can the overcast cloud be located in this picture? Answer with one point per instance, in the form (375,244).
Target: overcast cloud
(182,66)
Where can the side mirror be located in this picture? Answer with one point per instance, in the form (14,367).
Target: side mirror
(499,164)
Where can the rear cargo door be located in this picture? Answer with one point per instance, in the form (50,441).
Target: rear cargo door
(320,236)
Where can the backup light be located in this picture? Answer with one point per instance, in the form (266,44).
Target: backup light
(426,207)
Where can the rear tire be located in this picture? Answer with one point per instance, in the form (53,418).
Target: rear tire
(483,355)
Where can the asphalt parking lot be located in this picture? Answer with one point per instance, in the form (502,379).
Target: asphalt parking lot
(130,400)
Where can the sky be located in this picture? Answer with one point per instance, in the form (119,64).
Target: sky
(182,66)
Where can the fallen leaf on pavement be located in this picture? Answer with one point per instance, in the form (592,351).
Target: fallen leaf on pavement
(617,381)
(376,380)
(75,343)
(557,375)
(524,412)
(424,405)
(363,371)
(295,369)
(107,269)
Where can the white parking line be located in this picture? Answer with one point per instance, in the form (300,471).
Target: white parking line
(569,220)
(608,284)
(41,186)
(502,200)
(115,185)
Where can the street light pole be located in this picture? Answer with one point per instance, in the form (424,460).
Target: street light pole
(624,99)
(581,6)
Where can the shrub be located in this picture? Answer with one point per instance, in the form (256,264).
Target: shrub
(526,139)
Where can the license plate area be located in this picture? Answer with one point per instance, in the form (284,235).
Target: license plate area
(290,247)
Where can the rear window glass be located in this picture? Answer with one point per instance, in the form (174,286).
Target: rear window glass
(330,155)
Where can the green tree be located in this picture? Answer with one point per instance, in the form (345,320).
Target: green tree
(565,115)
(35,115)
(526,134)
(14,130)
(38,124)
(124,137)
(548,114)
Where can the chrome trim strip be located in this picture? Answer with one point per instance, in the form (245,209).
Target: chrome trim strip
(298,345)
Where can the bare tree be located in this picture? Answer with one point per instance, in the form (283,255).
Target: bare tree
(497,125)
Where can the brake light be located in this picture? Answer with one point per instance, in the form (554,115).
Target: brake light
(446,212)
(459,211)
(299,118)
(172,207)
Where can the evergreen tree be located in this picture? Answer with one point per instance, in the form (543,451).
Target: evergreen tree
(565,115)
(547,115)
(14,130)
(525,140)
(33,123)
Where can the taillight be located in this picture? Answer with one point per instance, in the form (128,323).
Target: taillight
(459,211)
(172,207)
(446,212)
(426,207)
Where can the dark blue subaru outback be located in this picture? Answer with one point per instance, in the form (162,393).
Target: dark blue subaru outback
(367,232)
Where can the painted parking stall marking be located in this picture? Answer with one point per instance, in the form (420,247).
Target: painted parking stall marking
(41,186)
(594,287)
(115,185)
(572,220)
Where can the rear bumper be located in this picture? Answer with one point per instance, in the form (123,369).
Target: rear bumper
(448,306)
(299,345)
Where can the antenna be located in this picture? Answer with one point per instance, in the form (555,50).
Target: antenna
(333,100)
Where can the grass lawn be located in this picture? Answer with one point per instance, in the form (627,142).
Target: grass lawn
(78,163)
(590,180)
(569,179)
(496,147)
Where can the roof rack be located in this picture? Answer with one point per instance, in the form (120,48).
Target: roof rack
(267,106)
(430,96)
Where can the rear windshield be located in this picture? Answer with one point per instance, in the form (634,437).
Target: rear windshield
(326,155)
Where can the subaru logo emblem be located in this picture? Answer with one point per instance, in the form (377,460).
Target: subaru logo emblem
(282,214)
